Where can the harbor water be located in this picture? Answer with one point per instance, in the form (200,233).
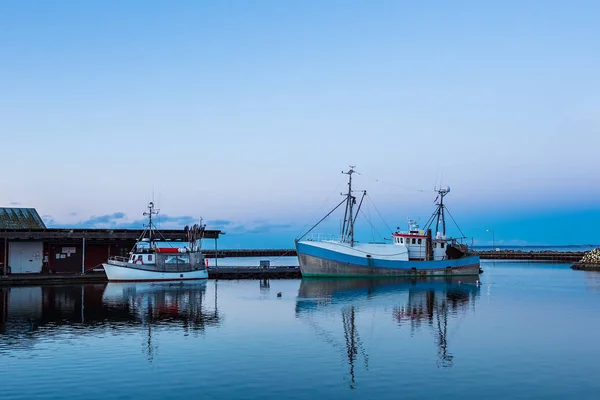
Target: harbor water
(527,330)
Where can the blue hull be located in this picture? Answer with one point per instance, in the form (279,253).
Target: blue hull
(317,261)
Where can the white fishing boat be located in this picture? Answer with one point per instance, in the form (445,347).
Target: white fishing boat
(153,259)
(411,253)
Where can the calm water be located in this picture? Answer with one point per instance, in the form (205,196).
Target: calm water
(528,331)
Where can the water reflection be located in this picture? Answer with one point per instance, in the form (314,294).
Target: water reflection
(432,307)
(26,313)
(592,279)
(415,303)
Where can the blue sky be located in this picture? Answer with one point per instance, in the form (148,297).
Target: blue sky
(245,112)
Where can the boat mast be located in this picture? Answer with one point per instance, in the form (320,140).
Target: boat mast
(150,213)
(348,226)
(440,211)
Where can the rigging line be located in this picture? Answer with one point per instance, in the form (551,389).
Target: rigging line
(372,227)
(324,202)
(376,209)
(322,219)
(430,220)
(368,219)
(461,232)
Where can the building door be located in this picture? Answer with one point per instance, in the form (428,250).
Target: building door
(25,257)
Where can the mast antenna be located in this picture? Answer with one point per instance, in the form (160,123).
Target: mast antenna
(151,211)
(440,211)
(348,226)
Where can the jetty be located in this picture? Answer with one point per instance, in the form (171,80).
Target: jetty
(519,255)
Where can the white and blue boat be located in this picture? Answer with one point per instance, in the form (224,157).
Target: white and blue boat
(412,253)
(149,261)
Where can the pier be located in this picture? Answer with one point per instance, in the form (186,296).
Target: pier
(555,256)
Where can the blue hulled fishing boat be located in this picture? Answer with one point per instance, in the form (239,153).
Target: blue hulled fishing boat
(414,252)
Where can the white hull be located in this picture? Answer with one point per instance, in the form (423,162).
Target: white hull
(119,273)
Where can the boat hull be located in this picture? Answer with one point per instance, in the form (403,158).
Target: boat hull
(118,273)
(317,261)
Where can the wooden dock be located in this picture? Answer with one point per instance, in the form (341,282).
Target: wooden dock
(100,277)
(254,273)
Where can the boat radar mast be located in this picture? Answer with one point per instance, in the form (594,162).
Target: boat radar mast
(347,234)
(151,211)
(440,210)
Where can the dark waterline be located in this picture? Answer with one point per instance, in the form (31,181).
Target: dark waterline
(528,331)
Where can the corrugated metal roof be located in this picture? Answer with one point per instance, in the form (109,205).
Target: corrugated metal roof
(20,218)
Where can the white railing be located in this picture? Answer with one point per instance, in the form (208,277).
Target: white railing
(118,260)
(320,237)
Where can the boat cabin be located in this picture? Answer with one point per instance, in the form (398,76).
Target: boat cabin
(415,241)
(148,255)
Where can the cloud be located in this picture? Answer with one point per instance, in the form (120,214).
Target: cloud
(266,228)
(219,222)
(104,219)
(252,227)
(118,220)
(113,220)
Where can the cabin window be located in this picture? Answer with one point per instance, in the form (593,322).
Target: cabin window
(401,240)
(414,241)
(419,241)
(435,245)
(149,257)
(442,245)
(177,259)
(140,258)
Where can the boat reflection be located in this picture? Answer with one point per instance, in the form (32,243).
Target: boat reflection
(428,302)
(432,308)
(30,313)
(163,303)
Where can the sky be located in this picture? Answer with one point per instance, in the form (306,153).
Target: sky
(244,113)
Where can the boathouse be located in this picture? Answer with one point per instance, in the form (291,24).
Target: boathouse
(28,246)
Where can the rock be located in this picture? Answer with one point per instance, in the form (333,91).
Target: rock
(591,257)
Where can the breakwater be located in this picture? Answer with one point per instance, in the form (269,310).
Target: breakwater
(589,262)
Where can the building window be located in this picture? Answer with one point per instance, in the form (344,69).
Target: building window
(419,241)
(414,241)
